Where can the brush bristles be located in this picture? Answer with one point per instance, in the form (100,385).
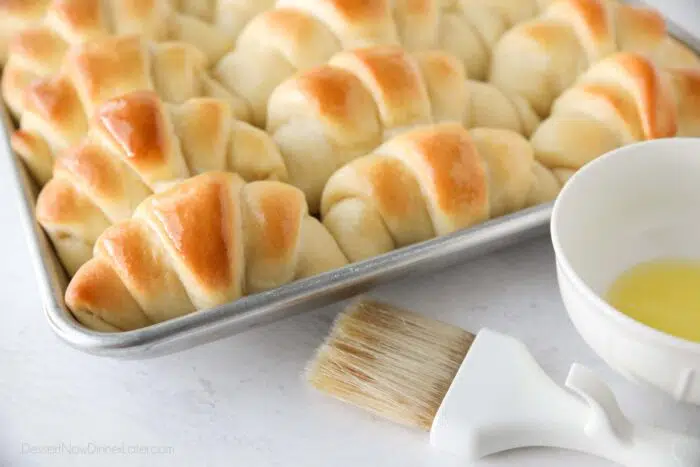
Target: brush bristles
(392,362)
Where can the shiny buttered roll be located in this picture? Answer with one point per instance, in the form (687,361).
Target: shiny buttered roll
(685,83)
(138,145)
(623,99)
(334,113)
(57,109)
(36,34)
(428,182)
(542,57)
(206,241)
(299,34)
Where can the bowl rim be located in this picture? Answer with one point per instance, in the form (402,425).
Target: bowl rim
(601,306)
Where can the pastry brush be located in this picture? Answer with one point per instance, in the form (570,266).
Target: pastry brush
(479,394)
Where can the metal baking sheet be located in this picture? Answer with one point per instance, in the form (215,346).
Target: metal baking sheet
(255,310)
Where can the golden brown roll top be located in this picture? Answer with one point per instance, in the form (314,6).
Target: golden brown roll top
(56,109)
(205,241)
(466,29)
(37,52)
(542,57)
(394,81)
(71,220)
(137,145)
(100,70)
(298,35)
(622,99)
(686,87)
(36,34)
(271,48)
(329,115)
(54,120)
(427,182)
(15,16)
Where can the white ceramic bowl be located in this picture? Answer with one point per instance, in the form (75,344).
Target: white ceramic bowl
(633,204)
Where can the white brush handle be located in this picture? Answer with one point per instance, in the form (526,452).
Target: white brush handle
(501,399)
(655,447)
(616,438)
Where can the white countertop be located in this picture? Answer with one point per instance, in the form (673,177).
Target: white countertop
(241,401)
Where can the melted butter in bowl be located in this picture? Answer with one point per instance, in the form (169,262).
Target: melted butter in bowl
(625,233)
(663,294)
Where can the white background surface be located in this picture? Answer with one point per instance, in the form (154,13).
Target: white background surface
(241,401)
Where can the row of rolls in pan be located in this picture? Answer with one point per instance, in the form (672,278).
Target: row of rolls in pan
(329,124)
(533,47)
(213,238)
(128,220)
(252,45)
